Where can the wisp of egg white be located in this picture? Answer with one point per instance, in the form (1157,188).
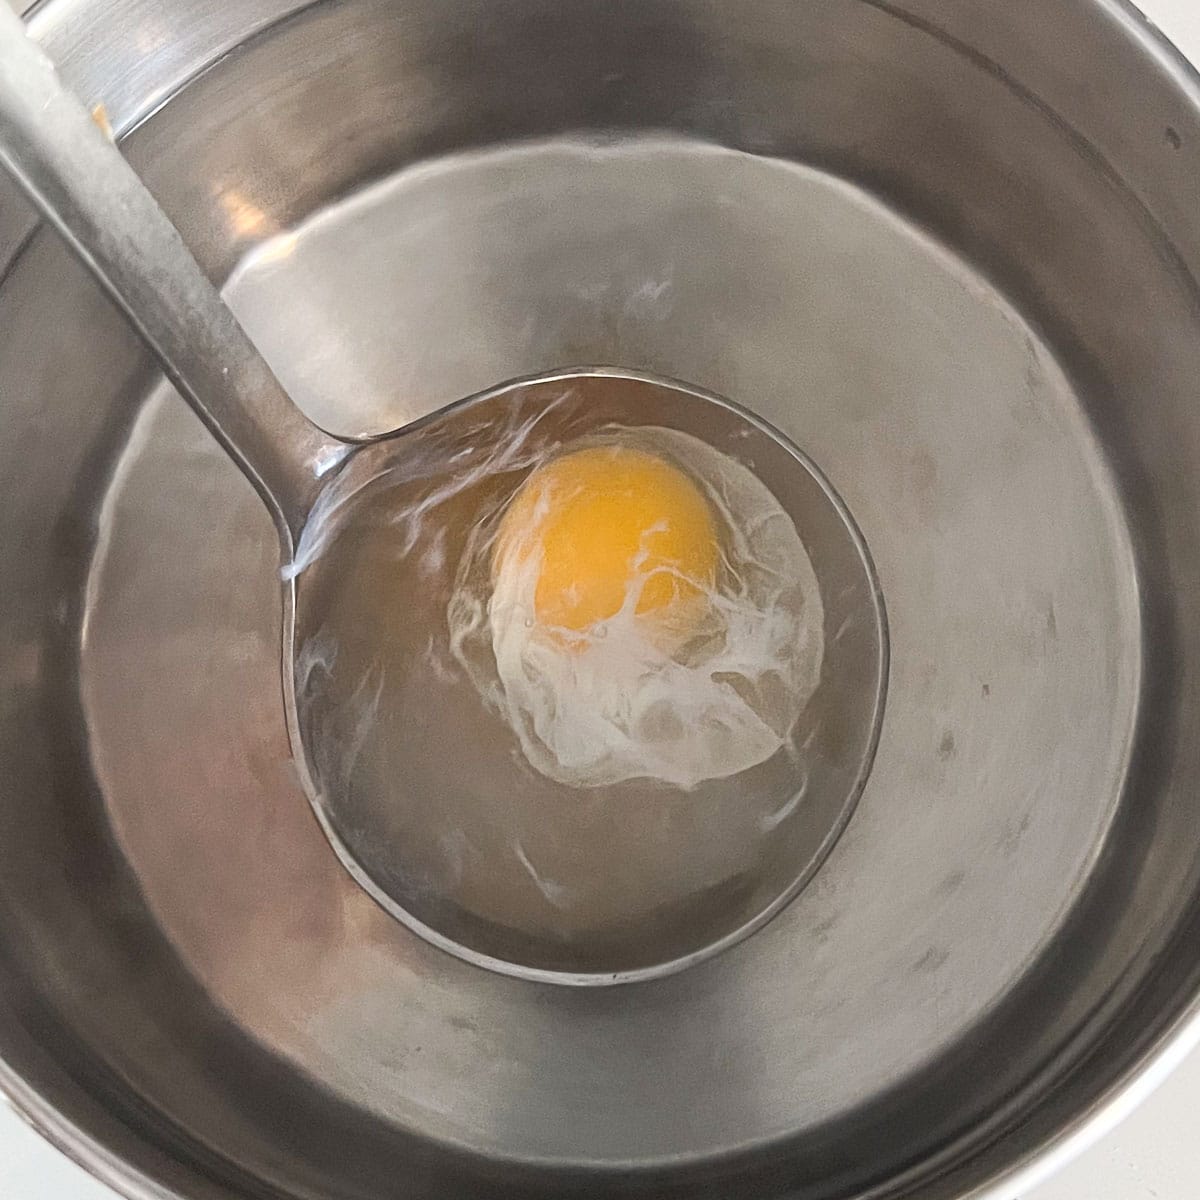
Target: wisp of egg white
(702,694)
(449,470)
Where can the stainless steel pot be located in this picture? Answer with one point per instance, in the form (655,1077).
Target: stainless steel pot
(950,248)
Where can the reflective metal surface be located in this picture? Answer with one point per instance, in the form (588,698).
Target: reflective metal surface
(61,155)
(948,249)
(424,789)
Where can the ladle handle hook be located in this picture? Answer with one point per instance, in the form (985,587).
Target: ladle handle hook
(75,174)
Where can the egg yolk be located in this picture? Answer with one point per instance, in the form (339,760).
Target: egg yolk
(605,520)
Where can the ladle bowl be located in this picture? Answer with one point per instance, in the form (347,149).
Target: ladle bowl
(426,795)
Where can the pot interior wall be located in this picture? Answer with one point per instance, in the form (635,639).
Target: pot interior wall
(983,329)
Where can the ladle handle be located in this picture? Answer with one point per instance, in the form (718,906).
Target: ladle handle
(75,174)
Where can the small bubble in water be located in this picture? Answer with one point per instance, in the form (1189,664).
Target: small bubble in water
(528,622)
(600,631)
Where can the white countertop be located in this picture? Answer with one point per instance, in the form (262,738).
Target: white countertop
(1155,1155)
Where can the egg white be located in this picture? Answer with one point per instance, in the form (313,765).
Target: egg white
(691,696)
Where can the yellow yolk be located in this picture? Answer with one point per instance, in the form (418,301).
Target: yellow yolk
(605,520)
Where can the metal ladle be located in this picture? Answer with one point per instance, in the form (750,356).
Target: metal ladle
(691,873)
